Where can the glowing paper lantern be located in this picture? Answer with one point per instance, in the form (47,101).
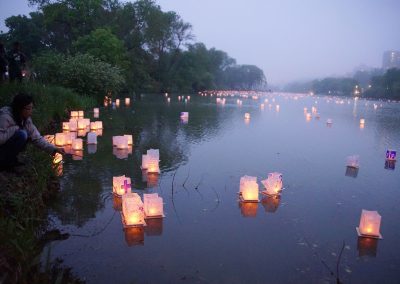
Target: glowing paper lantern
(57,158)
(127,101)
(61,139)
(153,206)
(273,184)
(73,124)
(132,210)
(362,121)
(121,185)
(329,121)
(185,115)
(353,161)
(117,102)
(69,136)
(247,115)
(391,155)
(99,124)
(169,100)
(121,142)
(77,144)
(49,138)
(74,113)
(249,188)
(81,123)
(92,138)
(96,111)
(277,107)
(370,223)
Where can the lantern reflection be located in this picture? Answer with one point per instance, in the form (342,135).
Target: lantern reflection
(351,172)
(92,148)
(390,165)
(271,203)
(367,247)
(77,155)
(134,236)
(151,179)
(122,153)
(248,209)
(154,227)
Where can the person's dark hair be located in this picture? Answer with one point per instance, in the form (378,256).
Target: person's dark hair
(18,103)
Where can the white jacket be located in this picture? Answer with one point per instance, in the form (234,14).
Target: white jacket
(8,127)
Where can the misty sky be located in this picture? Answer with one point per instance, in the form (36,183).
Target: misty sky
(288,39)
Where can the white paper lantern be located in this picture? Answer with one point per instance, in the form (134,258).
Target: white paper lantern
(92,138)
(248,188)
(130,139)
(247,115)
(370,223)
(61,139)
(273,184)
(77,144)
(73,124)
(132,210)
(153,206)
(127,101)
(121,185)
(353,161)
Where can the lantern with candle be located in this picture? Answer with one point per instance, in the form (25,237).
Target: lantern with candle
(353,161)
(121,185)
(370,223)
(121,142)
(273,184)
(61,139)
(248,189)
(73,124)
(130,139)
(132,210)
(117,102)
(153,206)
(74,114)
(127,101)
(247,115)
(77,144)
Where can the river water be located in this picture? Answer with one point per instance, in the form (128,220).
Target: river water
(208,236)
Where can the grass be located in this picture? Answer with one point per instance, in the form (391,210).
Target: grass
(24,197)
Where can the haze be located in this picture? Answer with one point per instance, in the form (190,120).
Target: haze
(289,40)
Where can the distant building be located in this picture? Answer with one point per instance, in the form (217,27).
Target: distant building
(391,59)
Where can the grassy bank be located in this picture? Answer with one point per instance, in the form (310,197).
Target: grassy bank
(24,228)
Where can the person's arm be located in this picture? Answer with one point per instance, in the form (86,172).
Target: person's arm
(7,128)
(38,140)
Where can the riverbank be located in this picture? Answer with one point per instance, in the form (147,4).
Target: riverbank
(24,196)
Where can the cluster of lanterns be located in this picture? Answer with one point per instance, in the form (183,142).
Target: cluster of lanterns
(249,190)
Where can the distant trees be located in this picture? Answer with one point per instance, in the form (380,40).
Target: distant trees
(385,86)
(152,49)
(334,86)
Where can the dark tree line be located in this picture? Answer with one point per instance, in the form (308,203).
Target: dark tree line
(152,50)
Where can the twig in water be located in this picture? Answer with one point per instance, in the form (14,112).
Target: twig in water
(172,188)
(218,200)
(338,263)
(186,179)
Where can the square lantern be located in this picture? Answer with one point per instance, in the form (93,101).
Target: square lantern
(247,115)
(184,115)
(73,124)
(74,113)
(121,142)
(96,111)
(122,185)
(81,123)
(153,205)
(82,132)
(273,184)
(370,223)
(153,166)
(391,155)
(69,136)
(353,161)
(248,189)
(77,144)
(127,101)
(154,154)
(117,102)
(92,138)
(94,125)
(81,113)
(61,139)
(329,121)
(132,210)
(362,121)
(99,124)
(130,139)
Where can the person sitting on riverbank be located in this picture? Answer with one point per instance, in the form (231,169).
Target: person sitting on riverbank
(16,129)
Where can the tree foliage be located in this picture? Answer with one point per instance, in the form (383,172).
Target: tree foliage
(154,49)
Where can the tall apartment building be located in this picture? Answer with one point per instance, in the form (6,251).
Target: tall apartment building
(391,59)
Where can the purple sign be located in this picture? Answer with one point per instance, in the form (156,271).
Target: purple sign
(390,155)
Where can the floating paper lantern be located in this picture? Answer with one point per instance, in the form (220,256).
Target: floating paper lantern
(132,210)
(92,138)
(127,101)
(121,185)
(249,189)
(188,98)
(166,94)
(277,107)
(96,110)
(353,161)
(77,144)
(185,115)
(247,115)
(362,121)
(61,139)
(81,123)
(93,125)
(262,106)
(169,100)
(153,205)
(81,113)
(273,184)
(117,102)
(130,139)
(370,223)
(121,142)
(73,124)
(74,113)
(69,136)
(57,158)
(248,209)
(391,155)
(329,121)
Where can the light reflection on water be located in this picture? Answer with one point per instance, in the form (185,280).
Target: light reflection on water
(207,235)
